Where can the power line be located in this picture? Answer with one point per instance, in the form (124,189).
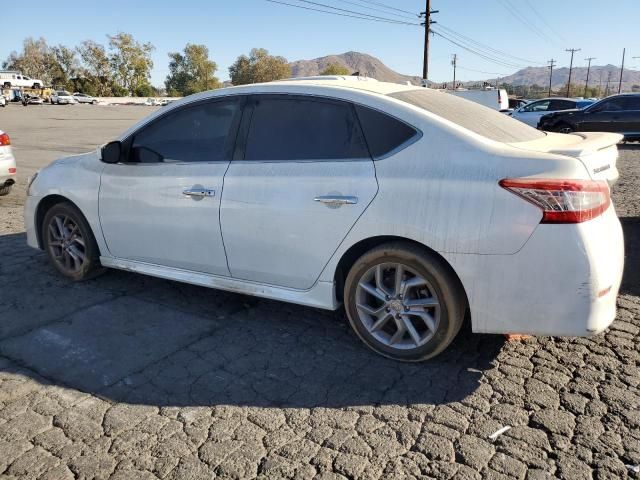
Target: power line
(396,22)
(484,46)
(324,5)
(523,19)
(400,15)
(549,27)
(499,74)
(481,54)
(386,6)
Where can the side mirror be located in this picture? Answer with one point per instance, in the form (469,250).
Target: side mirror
(112,152)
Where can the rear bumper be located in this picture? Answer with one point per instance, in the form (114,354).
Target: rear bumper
(563,282)
(7,170)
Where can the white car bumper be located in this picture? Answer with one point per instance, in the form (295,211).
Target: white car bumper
(7,169)
(563,282)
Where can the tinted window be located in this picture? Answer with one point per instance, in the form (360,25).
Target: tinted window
(297,128)
(632,102)
(382,132)
(199,133)
(612,105)
(477,118)
(561,105)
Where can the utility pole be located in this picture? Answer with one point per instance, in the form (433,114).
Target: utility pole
(454,62)
(621,71)
(427,31)
(586,85)
(551,63)
(606,92)
(572,50)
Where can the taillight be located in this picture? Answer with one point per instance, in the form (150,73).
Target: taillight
(562,201)
(4,140)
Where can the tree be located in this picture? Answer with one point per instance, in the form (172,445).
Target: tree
(191,72)
(335,69)
(35,60)
(64,66)
(259,66)
(130,62)
(96,69)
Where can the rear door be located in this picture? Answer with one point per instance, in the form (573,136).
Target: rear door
(299,181)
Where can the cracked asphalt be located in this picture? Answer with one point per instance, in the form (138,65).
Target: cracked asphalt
(128,377)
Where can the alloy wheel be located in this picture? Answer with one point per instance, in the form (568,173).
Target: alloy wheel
(397,306)
(66,243)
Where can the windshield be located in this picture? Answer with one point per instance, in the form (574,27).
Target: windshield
(62,93)
(475,117)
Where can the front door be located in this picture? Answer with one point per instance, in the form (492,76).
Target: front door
(302,178)
(161,205)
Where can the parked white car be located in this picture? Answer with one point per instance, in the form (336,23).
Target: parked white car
(62,97)
(84,98)
(11,79)
(532,112)
(8,169)
(408,205)
(3,100)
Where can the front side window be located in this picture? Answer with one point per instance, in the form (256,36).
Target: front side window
(542,106)
(198,133)
(299,128)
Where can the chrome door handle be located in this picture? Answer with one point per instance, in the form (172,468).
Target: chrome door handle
(199,192)
(336,200)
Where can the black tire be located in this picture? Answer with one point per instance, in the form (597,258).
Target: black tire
(90,266)
(564,128)
(441,279)
(5,190)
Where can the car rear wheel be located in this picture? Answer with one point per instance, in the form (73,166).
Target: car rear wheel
(4,190)
(404,302)
(69,243)
(564,128)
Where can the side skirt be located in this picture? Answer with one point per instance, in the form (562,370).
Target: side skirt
(321,295)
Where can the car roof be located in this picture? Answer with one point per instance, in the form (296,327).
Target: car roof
(345,82)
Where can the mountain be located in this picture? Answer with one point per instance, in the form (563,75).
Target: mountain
(540,76)
(356,62)
(372,67)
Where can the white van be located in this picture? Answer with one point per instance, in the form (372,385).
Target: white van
(495,98)
(9,79)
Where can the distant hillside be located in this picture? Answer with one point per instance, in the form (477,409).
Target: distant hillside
(372,67)
(356,62)
(540,76)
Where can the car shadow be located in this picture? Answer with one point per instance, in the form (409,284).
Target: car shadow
(631,279)
(137,339)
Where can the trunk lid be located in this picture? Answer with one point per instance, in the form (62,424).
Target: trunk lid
(598,151)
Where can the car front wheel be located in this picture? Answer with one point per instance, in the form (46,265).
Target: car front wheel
(69,243)
(564,128)
(404,302)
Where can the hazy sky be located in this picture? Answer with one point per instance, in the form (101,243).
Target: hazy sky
(230,28)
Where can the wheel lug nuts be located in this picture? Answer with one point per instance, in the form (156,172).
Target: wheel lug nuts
(388,309)
(406,309)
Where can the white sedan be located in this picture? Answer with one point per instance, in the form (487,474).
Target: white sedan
(8,169)
(532,112)
(410,206)
(62,97)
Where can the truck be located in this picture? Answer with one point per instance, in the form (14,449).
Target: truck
(495,98)
(14,78)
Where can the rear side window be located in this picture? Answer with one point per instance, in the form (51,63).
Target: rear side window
(632,102)
(198,133)
(383,133)
(477,118)
(299,128)
(561,105)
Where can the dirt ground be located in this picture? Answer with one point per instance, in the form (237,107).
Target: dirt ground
(131,377)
